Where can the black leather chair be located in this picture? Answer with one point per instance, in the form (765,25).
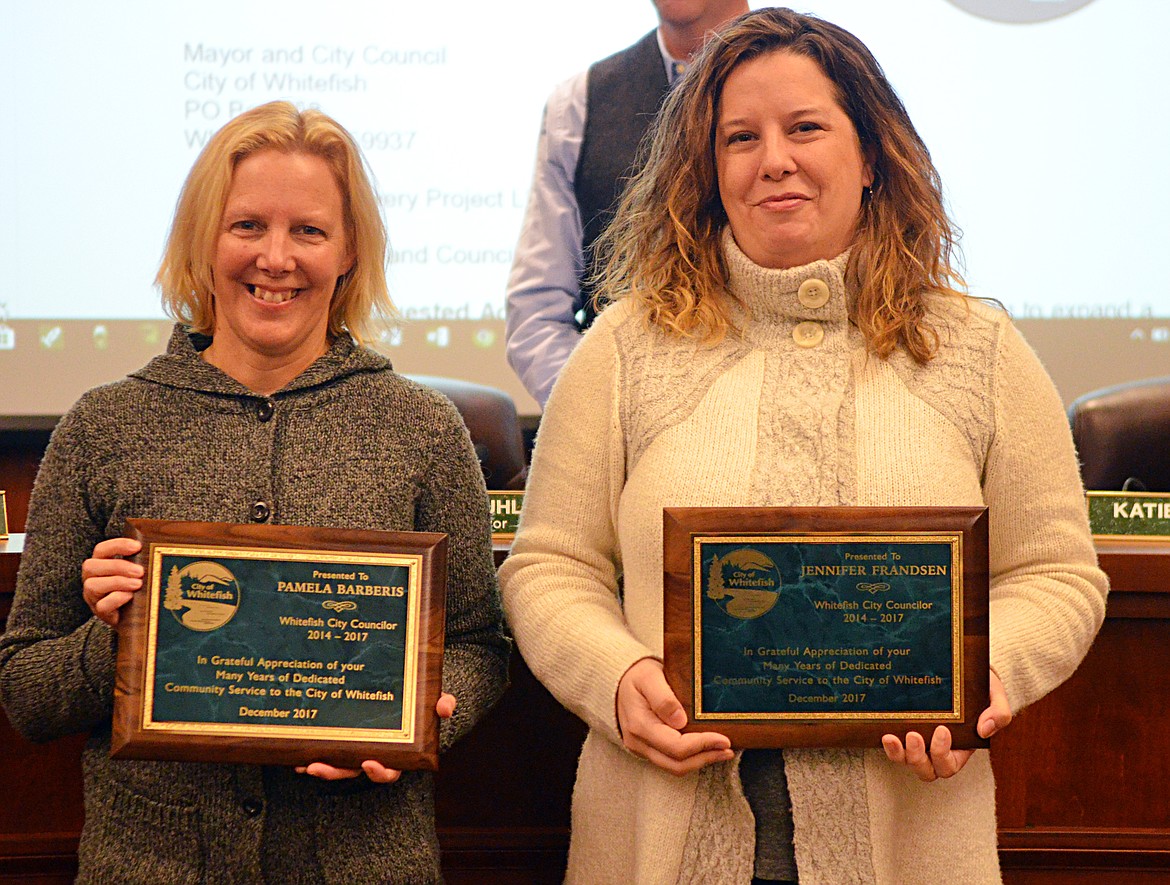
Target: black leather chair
(1122,435)
(490,416)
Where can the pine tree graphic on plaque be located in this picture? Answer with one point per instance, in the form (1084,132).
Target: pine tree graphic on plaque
(715,588)
(173,601)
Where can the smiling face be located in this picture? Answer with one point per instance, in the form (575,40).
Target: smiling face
(282,245)
(790,166)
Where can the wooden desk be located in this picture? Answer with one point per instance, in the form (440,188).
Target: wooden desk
(41,814)
(1081,776)
(10,550)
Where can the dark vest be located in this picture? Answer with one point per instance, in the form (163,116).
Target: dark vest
(623,95)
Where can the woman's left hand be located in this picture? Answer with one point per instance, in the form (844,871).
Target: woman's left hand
(374,770)
(943,761)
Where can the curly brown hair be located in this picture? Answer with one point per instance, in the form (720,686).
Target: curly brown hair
(663,246)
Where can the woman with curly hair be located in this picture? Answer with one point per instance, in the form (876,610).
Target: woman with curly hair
(787,328)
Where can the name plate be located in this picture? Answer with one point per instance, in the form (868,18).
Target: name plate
(505,511)
(281,645)
(1138,515)
(827,626)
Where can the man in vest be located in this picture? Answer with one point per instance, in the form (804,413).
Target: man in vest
(588,143)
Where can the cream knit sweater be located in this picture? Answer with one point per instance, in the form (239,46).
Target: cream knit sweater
(639,421)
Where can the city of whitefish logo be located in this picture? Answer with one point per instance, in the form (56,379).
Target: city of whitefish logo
(202,596)
(744,584)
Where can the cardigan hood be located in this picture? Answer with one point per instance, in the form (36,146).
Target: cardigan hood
(182,367)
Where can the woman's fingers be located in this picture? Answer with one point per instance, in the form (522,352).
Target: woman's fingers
(108,582)
(650,717)
(917,758)
(681,754)
(445,707)
(946,760)
(374,770)
(998,714)
(941,760)
(379,773)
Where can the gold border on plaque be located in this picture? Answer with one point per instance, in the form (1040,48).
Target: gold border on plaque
(955,540)
(412,562)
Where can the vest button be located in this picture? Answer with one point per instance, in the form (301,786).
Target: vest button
(264,410)
(260,512)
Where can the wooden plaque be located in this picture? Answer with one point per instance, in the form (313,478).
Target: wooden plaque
(827,626)
(282,645)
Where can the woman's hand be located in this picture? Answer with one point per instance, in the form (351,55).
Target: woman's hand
(374,770)
(943,761)
(650,717)
(108,581)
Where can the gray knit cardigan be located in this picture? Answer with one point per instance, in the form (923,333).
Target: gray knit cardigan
(347,444)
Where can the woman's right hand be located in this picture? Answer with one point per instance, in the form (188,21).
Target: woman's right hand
(650,717)
(108,581)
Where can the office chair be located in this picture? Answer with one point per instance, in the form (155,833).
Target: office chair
(490,416)
(1122,435)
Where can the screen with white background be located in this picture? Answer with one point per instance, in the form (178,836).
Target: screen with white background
(1047,121)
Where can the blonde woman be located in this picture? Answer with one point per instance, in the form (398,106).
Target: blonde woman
(263,409)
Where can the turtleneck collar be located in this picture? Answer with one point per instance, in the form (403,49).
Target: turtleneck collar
(786,294)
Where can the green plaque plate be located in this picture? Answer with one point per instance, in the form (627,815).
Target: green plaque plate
(282,644)
(827,626)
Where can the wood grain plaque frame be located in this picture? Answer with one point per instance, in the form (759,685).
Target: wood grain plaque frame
(827,626)
(282,645)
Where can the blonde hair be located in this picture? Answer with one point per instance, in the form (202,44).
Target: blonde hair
(361,303)
(663,247)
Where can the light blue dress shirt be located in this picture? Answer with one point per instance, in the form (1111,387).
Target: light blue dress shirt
(544,294)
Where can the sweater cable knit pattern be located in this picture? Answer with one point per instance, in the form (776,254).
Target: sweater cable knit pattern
(959,381)
(832,846)
(724,805)
(806,457)
(665,381)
